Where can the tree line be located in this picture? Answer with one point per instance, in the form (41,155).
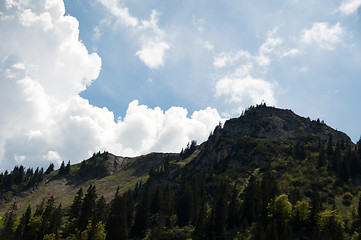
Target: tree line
(205,206)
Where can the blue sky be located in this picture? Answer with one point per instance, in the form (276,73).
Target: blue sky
(132,77)
(320,80)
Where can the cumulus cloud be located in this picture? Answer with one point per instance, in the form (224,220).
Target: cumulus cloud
(325,36)
(349,7)
(240,88)
(153,45)
(122,13)
(269,49)
(245,90)
(152,40)
(43,68)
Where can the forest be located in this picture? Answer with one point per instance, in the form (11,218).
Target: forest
(257,189)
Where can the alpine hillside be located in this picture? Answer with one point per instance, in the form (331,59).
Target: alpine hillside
(269,174)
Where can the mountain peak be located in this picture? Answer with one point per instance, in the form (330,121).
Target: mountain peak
(280,124)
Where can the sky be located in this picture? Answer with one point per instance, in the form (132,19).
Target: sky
(133,77)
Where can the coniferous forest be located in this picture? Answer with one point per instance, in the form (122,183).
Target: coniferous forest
(234,186)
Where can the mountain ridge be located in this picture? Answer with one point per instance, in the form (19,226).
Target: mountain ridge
(265,154)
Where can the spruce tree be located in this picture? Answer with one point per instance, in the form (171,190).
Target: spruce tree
(88,208)
(117,220)
(50,168)
(157,200)
(321,158)
(220,213)
(67,168)
(185,205)
(250,200)
(22,228)
(129,201)
(329,149)
(77,205)
(100,210)
(142,215)
(62,169)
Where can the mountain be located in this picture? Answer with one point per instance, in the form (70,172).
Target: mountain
(269,174)
(281,125)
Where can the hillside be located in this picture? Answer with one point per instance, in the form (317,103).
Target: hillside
(104,170)
(269,174)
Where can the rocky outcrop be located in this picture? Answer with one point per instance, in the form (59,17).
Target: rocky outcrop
(279,124)
(272,124)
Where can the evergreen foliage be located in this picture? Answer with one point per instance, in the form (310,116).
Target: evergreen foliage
(243,188)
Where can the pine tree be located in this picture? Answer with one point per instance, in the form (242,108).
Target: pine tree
(321,158)
(50,168)
(117,220)
(336,158)
(316,207)
(157,200)
(62,169)
(220,213)
(130,207)
(250,200)
(88,208)
(100,210)
(329,149)
(142,215)
(185,205)
(47,223)
(22,228)
(77,205)
(67,168)
(344,171)
(9,220)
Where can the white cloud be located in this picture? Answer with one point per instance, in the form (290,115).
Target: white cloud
(325,36)
(246,91)
(96,34)
(43,118)
(349,7)
(152,40)
(153,46)
(152,53)
(267,48)
(230,58)
(291,53)
(28,18)
(122,13)
(19,159)
(53,156)
(240,88)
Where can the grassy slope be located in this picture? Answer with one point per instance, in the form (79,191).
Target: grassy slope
(63,189)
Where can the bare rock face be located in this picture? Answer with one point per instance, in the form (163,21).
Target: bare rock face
(282,125)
